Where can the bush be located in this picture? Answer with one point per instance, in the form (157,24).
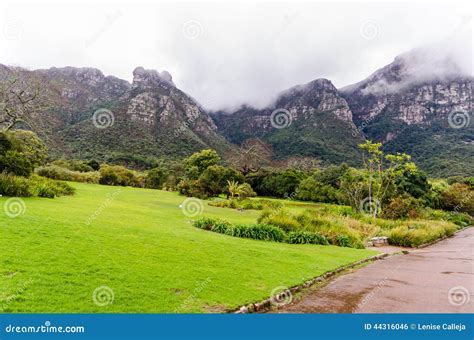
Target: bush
(459,198)
(280,218)
(156,178)
(460,219)
(255,231)
(74,165)
(278,184)
(258,232)
(247,204)
(220,227)
(304,237)
(312,190)
(204,223)
(16,186)
(407,236)
(119,175)
(337,230)
(64,174)
(16,163)
(44,187)
(401,207)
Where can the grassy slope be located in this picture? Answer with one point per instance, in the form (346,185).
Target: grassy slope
(143,247)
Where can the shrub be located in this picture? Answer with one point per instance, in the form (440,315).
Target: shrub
(304,237)
(280,218)
(119,175)
(220,226)
(204,223)
(401,207)
(64,174)
(156,178)
(14,186)
(74,165)
(279,184)
(16,163)
(312,190)
(245,190)
(412,236)
(258,232)
(247,204)
(460,219)
(255,231)
(17,186)
(458,197)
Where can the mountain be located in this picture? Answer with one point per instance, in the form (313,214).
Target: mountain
(424,113)
(310,120)
(89,115)
(421,104)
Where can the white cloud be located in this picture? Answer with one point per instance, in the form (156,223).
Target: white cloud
(233,53)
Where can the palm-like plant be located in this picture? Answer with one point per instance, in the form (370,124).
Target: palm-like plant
(234,188)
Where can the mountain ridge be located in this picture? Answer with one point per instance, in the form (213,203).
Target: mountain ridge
(397,105)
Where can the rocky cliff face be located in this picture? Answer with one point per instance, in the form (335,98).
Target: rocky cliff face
(418,104)
(426,114)
(320,95)
(306,120)
(395,90)
(150,117)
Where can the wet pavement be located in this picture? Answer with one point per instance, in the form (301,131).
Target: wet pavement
(435,279)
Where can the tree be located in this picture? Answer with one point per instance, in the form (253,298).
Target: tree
(233,188)
(18,101)
(198,162)
(306,164)
(28,143)
(252,155)
(280,184)
(354,187)
(213,181)
(20,152)
(311,189)
(381,176)
(414,183)
(156,177)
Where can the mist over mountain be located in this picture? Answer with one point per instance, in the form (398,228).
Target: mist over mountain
(421,104)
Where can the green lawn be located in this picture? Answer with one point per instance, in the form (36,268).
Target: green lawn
(146,251)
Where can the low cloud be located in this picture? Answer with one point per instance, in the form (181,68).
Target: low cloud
(228,54)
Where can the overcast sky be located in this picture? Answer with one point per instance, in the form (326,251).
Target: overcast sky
(225,55)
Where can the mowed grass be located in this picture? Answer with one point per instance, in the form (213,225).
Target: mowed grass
(146,251)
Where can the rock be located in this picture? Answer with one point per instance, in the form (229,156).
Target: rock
(379,241)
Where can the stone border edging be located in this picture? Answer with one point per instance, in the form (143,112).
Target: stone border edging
(267,303)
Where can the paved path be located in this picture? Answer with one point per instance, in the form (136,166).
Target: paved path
(420,281)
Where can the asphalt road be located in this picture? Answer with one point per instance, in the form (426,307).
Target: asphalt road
(435,279)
